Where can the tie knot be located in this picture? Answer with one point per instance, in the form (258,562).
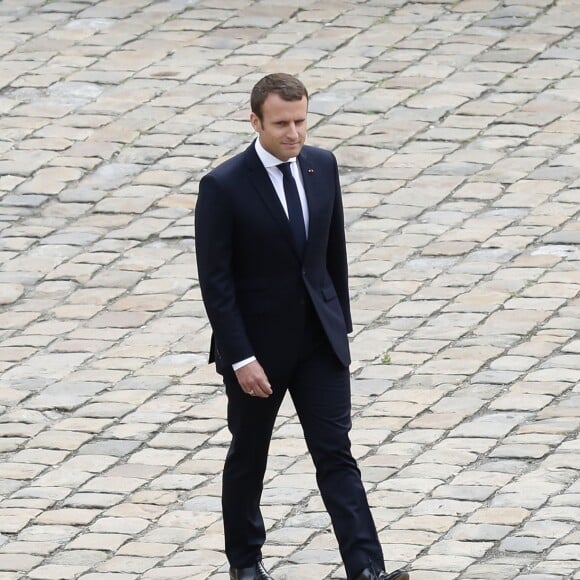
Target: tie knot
(285,169)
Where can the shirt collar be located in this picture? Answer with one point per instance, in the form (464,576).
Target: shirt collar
(268,160)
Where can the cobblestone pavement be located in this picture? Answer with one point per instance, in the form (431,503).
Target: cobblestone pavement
(456,125)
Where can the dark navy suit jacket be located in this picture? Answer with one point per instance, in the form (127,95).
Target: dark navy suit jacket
(256,287)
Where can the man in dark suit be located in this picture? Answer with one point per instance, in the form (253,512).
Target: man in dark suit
(272,268)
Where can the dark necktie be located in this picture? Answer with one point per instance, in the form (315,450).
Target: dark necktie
(295,215)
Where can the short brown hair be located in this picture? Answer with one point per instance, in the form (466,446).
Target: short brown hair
(286,86)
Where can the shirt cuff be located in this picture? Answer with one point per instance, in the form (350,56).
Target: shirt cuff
(243,363)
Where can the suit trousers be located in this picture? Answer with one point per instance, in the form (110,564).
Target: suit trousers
(320,389)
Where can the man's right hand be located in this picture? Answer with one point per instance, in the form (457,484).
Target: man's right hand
(253,380)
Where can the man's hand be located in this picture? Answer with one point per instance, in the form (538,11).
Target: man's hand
(253,380)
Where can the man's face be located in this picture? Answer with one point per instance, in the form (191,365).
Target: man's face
(282,130)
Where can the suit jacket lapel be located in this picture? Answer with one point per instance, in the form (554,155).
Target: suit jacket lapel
(314,191)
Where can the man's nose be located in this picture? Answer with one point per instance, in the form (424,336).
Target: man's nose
(292,131)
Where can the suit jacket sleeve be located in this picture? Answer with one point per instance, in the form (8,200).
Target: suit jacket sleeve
(214,247)
(336,259)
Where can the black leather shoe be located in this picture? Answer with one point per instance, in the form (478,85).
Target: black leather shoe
(367,574)
(256,572)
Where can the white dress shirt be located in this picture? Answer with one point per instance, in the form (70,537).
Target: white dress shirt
(270,162)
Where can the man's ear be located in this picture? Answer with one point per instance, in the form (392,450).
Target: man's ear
(256,123)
